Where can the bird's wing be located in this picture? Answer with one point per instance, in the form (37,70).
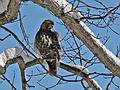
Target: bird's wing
(38,43)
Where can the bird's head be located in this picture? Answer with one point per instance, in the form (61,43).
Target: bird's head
(47,25)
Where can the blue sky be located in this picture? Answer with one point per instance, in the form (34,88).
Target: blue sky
(34,16)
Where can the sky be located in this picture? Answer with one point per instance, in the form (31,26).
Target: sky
(33,15)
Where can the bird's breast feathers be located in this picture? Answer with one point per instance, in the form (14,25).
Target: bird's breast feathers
(46,41)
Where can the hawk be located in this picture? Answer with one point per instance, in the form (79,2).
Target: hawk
(47,43)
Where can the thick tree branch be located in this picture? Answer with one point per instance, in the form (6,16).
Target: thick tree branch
(22,70)
(82,32)
(8,10)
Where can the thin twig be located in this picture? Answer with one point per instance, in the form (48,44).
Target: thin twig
(9,82)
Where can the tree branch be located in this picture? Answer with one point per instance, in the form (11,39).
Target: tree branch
(8,10)
(22,70)
(9,82)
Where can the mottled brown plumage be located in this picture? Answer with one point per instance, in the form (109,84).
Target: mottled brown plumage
(48,44)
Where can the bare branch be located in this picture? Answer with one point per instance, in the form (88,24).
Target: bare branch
(102,17)
(22,68)
(13,80)
(9,82)
(5,37)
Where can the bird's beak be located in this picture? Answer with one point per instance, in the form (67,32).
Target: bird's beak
(50,27)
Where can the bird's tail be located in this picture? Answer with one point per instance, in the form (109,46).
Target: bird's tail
(53,71)
(52,67)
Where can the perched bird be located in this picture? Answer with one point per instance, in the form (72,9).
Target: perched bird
(47,43)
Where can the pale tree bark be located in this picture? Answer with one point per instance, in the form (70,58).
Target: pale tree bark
(8,10)
(60,8)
